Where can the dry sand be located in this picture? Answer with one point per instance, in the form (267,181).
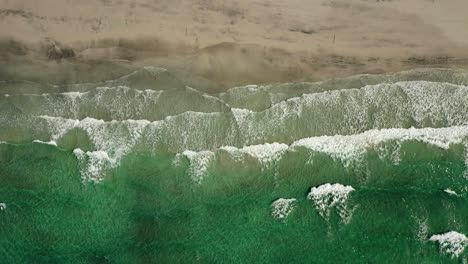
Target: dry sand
(230,42)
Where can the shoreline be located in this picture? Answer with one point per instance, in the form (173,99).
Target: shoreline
(224,65)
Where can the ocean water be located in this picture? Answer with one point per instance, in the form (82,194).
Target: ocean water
(142,169)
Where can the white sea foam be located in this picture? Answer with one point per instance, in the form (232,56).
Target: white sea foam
(155,70)
(423,228)
(248,87)
(252,87)
(57,127)
(282,207)
(119,102)
(328,196)
(276,98)
(241,116)
(73,94)
(98,90)
(199,164)
(353,147)
(451,192)
(451,243)
(3,207)
(266,154)
(112,140)
(114,136)
(379,106)
(64,94)
(53,143)
(355,109)
(93,163)
(400,77)
(117,138)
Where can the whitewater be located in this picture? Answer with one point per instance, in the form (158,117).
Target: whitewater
(364,168)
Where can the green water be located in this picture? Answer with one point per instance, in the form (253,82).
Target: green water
(116,190)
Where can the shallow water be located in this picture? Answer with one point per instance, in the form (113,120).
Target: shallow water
(360,169)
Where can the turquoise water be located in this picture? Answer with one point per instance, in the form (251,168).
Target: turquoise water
(365,169)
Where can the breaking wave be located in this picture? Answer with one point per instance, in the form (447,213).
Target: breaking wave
(343,151)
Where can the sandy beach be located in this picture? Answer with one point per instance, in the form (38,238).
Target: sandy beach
(226,41)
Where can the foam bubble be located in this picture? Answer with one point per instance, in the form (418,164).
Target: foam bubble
(117,138)
(53,143)
(291,90)
(114,137)
(266,154)
(199,164)
(451,243)
(242,116)
(328,196)
(57,127)
(119,102)
(155,70)
(451,192)
(3,207)
(73,95)
(353,147)
(92,164)
(423,228)
(282,207)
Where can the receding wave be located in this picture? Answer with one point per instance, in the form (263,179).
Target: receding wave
(350,111)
